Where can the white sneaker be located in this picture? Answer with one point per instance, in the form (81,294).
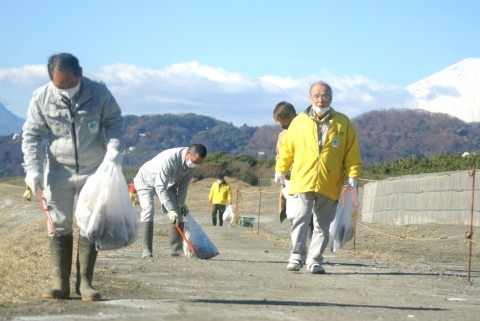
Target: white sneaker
(294,265)
(316,268)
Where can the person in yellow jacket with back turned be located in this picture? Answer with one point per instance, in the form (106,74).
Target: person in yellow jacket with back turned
(283,113)
(324,145)
(220,193)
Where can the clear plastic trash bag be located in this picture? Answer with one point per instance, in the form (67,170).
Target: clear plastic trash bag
(228,214)
(342,229)
(198,239)
(291,202)
(104,212)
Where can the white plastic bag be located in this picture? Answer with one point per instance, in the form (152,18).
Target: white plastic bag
(228,214)
(104,212)
(342,228)
(202,245)
(291,202)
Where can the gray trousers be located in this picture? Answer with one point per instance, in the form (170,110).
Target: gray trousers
(62,186)
(323,210)
(145,198)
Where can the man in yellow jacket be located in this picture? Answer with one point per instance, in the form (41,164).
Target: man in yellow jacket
(220,193)
(321,147)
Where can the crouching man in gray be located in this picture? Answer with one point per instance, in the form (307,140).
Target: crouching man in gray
(168,175)
(83,124)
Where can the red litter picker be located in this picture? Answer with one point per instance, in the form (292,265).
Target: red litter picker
(43,203)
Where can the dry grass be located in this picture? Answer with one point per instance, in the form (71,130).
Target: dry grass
(24,263)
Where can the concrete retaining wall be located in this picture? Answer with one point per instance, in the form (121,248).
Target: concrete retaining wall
(442,198)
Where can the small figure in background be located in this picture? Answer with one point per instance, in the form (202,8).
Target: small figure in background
(133,193)
(220,193)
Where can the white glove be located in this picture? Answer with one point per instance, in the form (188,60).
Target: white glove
(34,181)
(279,177)
(183,209)
(113,154)
(352,182)
(172,216)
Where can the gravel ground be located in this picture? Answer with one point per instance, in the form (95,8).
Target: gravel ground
(394,273)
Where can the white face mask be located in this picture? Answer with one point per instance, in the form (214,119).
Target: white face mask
(191,164)
(320,111)
(219,181)
(69,93)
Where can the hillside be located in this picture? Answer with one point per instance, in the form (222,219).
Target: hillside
(146,136)
(399,133)
(384,136)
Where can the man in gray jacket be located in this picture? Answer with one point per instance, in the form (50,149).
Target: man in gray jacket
(83,125)
(168,175)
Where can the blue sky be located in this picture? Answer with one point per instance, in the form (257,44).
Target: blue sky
(234,60)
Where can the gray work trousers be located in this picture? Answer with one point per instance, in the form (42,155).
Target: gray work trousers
(62,186)
(323,210)
(146,199)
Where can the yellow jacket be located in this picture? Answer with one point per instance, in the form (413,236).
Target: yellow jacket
(322,171)
(280,140)
(220,193)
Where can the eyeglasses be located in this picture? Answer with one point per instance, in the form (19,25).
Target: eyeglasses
(324,97)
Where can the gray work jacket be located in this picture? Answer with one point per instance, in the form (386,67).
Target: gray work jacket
(169,174)
(77,130)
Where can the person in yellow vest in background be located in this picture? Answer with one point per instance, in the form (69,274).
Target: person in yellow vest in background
(220,193)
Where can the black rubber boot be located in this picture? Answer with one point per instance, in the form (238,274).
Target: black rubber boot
(175,239)
(61,248)
(86,258)
(147,241)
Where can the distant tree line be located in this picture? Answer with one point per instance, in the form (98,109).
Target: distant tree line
(392,142)
(417,165)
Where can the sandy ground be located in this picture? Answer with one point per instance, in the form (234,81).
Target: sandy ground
(395,273)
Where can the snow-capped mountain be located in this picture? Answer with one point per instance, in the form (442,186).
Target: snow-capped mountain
(454,90)
(9,123)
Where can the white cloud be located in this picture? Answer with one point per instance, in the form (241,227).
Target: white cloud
(26,76)
(206,90)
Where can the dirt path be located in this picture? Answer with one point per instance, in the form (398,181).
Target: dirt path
(414,273)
